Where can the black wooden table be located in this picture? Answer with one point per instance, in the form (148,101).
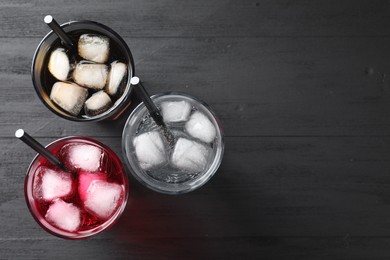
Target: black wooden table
(302,90)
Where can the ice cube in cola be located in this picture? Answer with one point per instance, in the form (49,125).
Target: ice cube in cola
(96,65)
(82,200)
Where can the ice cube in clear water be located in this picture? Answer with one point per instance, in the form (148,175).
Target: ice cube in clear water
(50,184)
(59,64)
(63,215)
(97,103)
(85,179)
(103,198)
(69,96)
(94,47)
(200,127)
(150,150)
(90,75)
(82,156)
(189,155)
(115,77)
(175,111)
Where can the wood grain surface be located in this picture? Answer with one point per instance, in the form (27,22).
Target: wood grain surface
(303,93)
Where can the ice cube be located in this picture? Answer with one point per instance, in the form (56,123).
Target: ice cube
(103,198)
(50,184)
(150,150)
(115,77)
(85,179)
(90,75)
(199,126)
(59,64)
(189,155)
(82,156)
(97,103)
(94,47)
(175,111)
(69,96)
(63,215)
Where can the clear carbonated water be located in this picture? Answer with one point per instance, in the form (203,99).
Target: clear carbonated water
(167,172)
(180,167)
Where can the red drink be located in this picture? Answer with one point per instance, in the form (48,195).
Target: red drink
(83,200)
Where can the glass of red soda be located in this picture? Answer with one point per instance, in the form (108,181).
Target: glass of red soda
(83,199)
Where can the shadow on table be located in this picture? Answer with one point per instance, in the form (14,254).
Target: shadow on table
(156,225)
(194,225)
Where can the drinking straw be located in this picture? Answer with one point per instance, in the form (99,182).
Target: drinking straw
(49,20)
(34,144)
(153,110)
(144,96)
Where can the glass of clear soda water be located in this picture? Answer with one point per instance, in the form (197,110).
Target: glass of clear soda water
(190,161)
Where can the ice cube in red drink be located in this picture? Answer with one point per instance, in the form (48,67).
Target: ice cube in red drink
(83,156)
(85,179)
(50,184)
(103,198)
(64,215)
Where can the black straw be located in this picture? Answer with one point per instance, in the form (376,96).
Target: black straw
(49,20)
(153,110)
(144,96)
(27,139)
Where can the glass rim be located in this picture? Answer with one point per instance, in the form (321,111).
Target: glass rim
(118,103)
(51,229)
(191,185)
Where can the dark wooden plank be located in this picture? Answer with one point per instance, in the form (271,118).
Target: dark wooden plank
(217,18)
(202,248)
(332,86)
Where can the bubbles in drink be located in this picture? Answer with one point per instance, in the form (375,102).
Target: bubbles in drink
(200,127)
(64,215)
(96,65)
(69,97)
(97,103)
(82,156)
(150,150)
(175,111)
(189,156)
(59,65)
(90,75)
(52,184)
(94,47)
(103,198)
